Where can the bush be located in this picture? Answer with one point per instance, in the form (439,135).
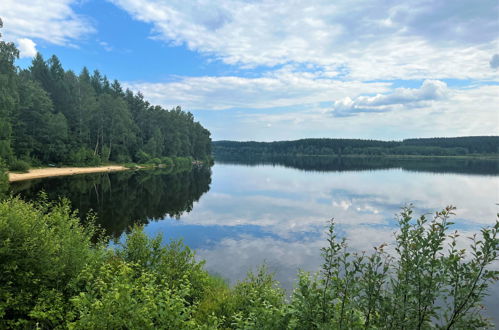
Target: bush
(131,165)
(142,157)
(154,161)
(52,275)
(404,290)
(42,248)
(18,165)
(4,180)
(84,157)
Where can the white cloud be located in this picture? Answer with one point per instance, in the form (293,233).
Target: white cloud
(275,89)
(464,112)
(107,47)
(430,90)
(53,21)
(27,47)
(369,40)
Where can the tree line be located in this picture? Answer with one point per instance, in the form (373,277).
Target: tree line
(458,146)
(52,115)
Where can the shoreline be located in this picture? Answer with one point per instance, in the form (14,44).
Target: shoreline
(47,172)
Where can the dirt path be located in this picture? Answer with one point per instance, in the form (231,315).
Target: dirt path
(56,171)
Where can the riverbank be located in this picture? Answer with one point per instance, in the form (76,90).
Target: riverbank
(62,171)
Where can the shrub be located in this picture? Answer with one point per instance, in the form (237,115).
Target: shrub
(19,165)
(4,180)
(131,165)
(420,286)
(42,248)
(84,157)
(142,157)
(154,161)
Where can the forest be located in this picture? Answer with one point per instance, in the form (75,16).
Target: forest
(49,115)
(457,146)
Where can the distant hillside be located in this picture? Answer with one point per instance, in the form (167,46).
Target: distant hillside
(457,146)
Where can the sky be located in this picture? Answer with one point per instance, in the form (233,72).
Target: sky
(281,70)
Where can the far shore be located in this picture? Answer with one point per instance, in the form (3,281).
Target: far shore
(62,171)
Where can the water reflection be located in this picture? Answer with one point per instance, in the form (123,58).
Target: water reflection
(277,214)
(362,163)
(122,199)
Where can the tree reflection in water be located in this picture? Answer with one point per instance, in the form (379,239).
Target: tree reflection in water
(122,199)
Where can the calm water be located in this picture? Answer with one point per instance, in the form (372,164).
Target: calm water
(239,216)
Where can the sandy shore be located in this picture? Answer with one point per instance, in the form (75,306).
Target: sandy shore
(56,171)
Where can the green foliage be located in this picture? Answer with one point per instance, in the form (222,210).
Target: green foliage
(131,165)
(84,157)
(54,116)
(42,248)
(142,157)
(154,161)
(53,276)
(9,96)
(258,303)
(4,179)
(19,165)
(426,147)
(426,283)
(122,295)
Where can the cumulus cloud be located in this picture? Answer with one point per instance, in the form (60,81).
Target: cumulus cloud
(430,90)
(53,21)
(27,47)
(392,39)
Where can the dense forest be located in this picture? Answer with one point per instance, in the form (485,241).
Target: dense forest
(49,115)
(459,146)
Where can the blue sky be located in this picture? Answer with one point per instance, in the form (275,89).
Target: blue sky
(273,70)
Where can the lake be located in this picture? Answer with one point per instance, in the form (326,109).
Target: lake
(242,213)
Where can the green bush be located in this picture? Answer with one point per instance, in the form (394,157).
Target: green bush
(84,157)
(142,157)
(131,165)
(154,161)
(19,165)
(421,286)
(4,180)
(42,248)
